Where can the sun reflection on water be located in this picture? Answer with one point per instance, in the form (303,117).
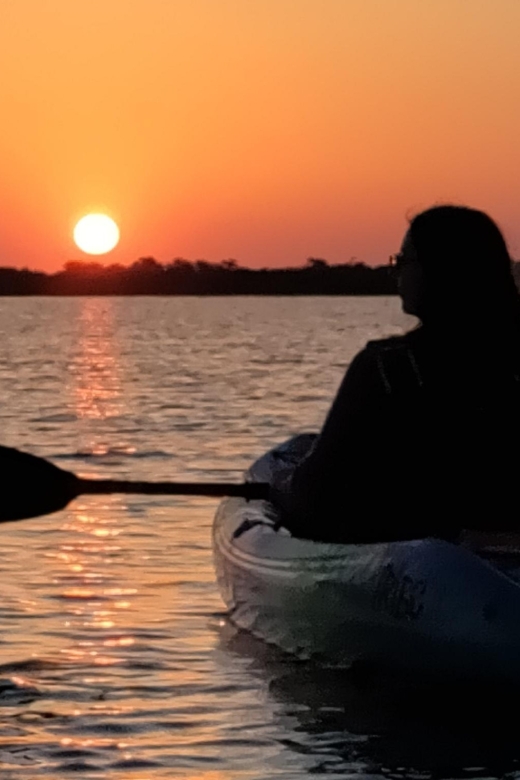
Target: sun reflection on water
(83,564)
(95,372)
(97,382)
(93,602)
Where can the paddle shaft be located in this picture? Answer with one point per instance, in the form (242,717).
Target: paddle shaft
(249,490)
(31,486)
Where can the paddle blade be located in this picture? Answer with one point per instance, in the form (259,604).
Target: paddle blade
(31,486)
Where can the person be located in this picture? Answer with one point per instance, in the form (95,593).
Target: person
(418,439)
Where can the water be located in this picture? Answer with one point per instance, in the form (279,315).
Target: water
(116,659)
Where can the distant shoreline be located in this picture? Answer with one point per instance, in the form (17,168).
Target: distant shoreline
(200,278)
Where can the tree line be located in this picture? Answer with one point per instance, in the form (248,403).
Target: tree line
(182,277)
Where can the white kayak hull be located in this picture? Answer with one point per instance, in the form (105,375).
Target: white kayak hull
(428,605)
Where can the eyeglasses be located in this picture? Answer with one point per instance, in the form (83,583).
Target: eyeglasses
(399,260)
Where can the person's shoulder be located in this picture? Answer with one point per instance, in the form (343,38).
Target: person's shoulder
(378,353)
(391,344)
(396,359)
(374,350)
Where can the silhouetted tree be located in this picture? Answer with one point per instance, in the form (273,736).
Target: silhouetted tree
(316,263)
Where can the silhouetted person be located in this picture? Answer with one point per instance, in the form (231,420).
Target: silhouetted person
(424,430)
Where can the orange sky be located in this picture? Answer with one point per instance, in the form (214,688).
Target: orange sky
(261,130)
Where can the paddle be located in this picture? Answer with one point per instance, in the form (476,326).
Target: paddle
(32,486)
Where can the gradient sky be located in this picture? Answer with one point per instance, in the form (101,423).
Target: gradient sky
(262,130)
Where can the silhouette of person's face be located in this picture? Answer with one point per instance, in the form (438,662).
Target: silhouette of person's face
(410,278)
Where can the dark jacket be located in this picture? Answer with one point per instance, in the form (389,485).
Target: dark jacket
(418,437)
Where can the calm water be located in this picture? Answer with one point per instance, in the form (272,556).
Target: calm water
(116,659)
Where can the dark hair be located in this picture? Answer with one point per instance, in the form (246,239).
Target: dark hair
(467,270)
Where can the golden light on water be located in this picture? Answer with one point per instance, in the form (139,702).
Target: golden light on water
(95,373)
(96,234)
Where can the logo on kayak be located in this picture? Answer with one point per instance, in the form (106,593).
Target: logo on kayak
(401,597)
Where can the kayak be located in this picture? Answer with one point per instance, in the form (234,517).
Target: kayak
(429,606)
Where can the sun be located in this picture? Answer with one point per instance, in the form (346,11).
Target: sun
(96,234)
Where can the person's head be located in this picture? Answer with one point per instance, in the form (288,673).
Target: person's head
(454,267)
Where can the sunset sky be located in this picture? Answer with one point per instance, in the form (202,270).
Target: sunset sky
(262,130)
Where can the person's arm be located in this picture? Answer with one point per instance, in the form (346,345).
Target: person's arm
(321,476)
(359,394)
